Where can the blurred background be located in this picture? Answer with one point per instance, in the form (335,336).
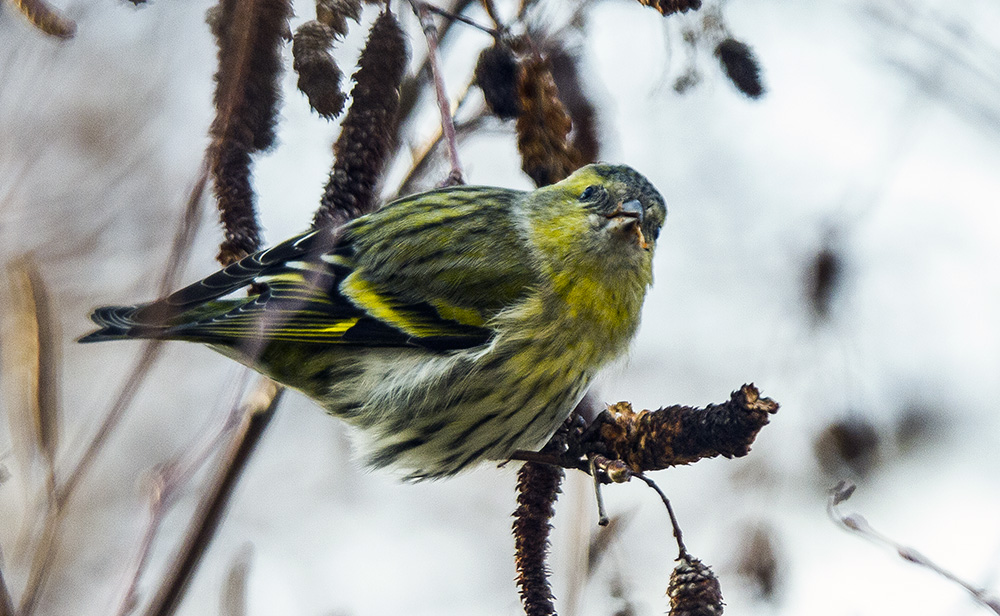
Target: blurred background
(833,241)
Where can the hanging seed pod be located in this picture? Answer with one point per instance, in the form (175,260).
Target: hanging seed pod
(319,75)
(543,126)
(367,131)
(496,75)
(566,74)
(537,489)
(250,35)
(741,66)
(694,590)
(669,7)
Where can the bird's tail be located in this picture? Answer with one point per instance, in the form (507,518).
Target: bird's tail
(120,323)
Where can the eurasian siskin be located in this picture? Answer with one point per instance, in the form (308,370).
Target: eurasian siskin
(450,327)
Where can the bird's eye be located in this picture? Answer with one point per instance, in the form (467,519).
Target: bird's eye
(588,192)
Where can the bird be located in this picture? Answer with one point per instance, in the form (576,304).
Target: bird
(449,327)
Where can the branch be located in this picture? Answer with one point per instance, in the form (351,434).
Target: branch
(858,524)
(633,443)
(257,413)
(167,482)
(447,124)
(47,547)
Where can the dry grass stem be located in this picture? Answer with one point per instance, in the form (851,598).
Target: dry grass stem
(45,18)
(31,360)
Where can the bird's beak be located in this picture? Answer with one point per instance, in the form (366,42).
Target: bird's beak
(632,209)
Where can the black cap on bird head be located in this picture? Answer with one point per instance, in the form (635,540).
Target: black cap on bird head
(633,192)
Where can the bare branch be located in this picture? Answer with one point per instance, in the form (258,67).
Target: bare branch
(858,524)
(455,175)
(258,411)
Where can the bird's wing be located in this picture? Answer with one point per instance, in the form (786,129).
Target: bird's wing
(325,303)
(370,288)
(462,251)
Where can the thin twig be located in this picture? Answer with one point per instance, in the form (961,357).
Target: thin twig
(491,10)
(423,156)
(856,523)
(178,253)
(602,513)
(164,488)
(409,90)
(257,413)
(462,18)
(670,510)
(455,175)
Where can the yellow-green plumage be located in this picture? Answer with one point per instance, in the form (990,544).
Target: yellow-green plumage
(450,327)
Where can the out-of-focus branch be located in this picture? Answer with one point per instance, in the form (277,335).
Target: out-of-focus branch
(256,415)
(455,176)
(856,523)
(233,601)
(45,18)
(167,482)
(6,603)
(47,546)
